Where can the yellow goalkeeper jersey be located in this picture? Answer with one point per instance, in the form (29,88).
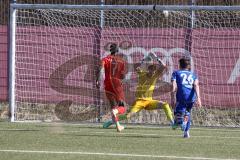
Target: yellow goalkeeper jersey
(146,85)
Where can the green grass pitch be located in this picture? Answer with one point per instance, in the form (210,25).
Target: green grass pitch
(58,141)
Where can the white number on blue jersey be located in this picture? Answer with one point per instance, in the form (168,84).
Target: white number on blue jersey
(187,80)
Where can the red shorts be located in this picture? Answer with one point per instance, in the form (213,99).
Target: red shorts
(114,90)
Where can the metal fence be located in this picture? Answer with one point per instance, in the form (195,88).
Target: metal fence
(4,4)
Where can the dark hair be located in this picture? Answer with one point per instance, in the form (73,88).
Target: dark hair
(184,63)
(113,48)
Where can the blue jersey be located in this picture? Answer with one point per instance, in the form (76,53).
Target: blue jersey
(185,90)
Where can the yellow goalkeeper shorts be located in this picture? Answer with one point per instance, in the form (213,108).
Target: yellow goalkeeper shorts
(140,104)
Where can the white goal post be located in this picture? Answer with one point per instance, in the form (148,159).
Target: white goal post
(55,49)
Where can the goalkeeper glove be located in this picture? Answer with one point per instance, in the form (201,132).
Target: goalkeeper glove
(146,58)
(153,55)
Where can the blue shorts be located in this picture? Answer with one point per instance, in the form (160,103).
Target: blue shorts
(183,107)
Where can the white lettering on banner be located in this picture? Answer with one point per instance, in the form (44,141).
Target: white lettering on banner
(235,72)
(167,57)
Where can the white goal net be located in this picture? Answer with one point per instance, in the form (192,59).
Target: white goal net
(57,52)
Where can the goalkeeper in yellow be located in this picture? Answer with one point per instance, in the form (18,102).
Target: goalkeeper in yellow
(144,92)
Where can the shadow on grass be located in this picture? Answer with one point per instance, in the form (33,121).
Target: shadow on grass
(70,126)
(113,135)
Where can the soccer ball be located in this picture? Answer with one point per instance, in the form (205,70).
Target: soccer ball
(166,13)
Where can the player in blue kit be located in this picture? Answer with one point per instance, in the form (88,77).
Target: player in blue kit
(185,92)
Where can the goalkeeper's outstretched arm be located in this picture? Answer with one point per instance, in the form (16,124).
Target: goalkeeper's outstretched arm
(162,66)
(154,56)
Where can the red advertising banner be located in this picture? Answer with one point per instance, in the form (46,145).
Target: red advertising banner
(59,63)
(3,64)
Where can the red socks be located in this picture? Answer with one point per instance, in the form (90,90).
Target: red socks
(121,110)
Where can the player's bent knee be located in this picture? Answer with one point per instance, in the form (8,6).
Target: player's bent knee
(187,116)
(179,117)
(187,113)
(121,110)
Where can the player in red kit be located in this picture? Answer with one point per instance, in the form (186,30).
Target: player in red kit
(114,69)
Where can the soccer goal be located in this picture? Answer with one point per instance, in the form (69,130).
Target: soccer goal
(55,51)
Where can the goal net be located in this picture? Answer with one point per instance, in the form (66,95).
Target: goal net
(57,52)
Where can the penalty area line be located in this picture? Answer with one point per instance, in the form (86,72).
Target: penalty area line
(112,154)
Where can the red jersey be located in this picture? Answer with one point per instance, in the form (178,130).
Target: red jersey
(114,73)
(114,67)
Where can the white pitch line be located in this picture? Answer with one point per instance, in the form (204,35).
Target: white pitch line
(19,129)
(112,154)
